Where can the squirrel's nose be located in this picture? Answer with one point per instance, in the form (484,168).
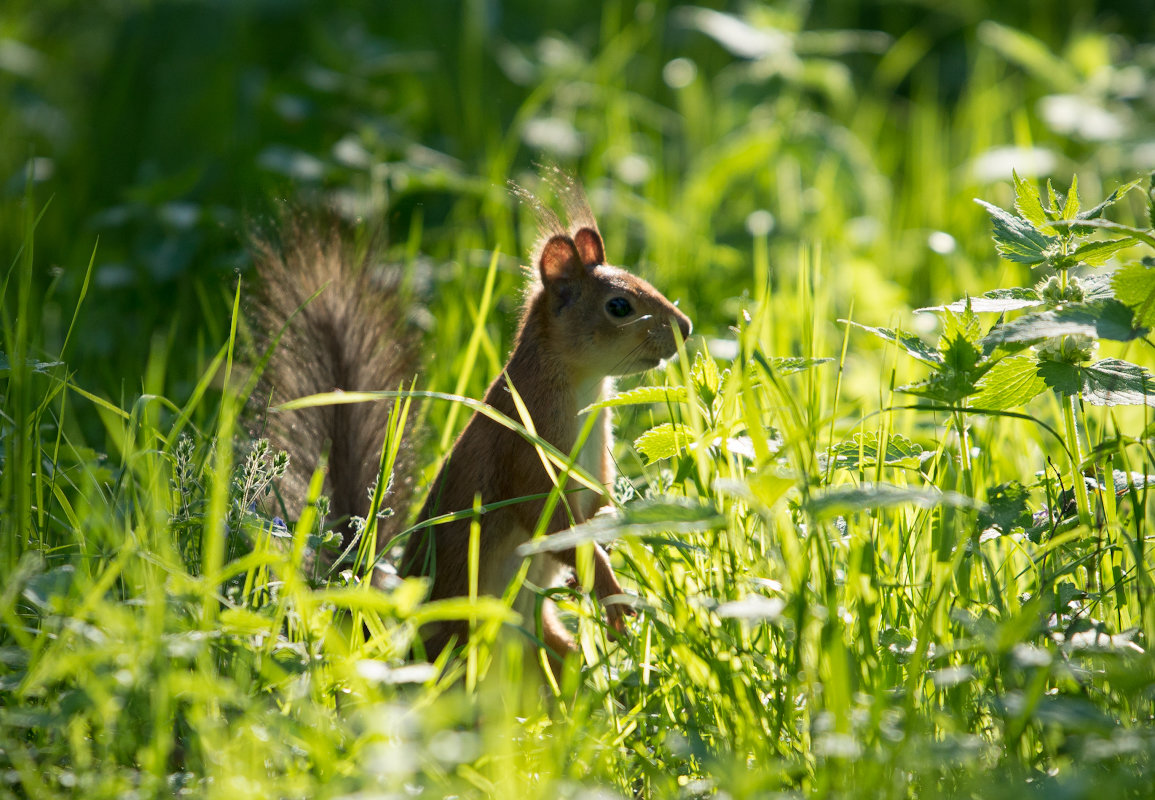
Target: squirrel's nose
(684,324)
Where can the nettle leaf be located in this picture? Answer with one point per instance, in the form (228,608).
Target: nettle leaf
(1053,198)
(1063,378)
(643,395)
(861,450)
(1134,286)
(1101,319)
(704,373)
(1097,253)
(1097,286)
(909,342)
(1113,382)
(1015,238)
(996,300)
(663,441)
(959,344)
(1027,201)
(851,499)
(1090,225)
(1097,211)
(946,387)
(1008,508)
(660,516)
(1011,382)
(1125,481)
(787,366)
(963,326)
(1071,207)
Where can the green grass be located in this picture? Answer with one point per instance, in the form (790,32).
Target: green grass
(813,620)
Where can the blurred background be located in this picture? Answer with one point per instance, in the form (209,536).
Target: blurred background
(153,134)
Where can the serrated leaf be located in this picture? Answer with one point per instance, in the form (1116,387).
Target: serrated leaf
(1101,319)
(1071,207)
(1097,211)
(786,366)
(1063,378)
(1007,507)
(643,395)
(996,300)
(1096,253)
(1027,201)
(1053,198)
(960,354)
(663,441)
(1114,382)
(947,387)
(852,499)
(704,373)
(676,515)
(861,450)
(1091,225)
(1134,286)
(961,326)
(1097,286)
(1011,382)
(1125,481)
(909,342)
(668,511)
(1015,238)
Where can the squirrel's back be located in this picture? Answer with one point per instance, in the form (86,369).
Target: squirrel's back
(355,335)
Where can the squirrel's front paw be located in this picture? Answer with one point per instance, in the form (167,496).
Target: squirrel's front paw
(617,609)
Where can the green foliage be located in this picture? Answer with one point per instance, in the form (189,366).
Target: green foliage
(861,450)
(985,372)
(1134,286)
(836,594)
(984,368)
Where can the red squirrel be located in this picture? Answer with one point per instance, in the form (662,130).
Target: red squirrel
(583,323)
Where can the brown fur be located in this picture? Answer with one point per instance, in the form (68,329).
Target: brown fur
(568,346)
(354,336)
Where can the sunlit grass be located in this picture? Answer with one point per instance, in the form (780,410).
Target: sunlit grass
(813,619)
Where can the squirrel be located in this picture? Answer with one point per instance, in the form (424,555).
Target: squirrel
(330,318)
(583,323)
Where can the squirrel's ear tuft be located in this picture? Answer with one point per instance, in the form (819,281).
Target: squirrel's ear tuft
(590,247)
(559,260)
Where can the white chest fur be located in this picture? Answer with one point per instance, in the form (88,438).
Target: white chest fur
(594,453)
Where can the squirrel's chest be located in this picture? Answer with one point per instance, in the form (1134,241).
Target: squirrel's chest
(594,454)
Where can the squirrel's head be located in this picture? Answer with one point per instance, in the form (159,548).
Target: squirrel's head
(600,319)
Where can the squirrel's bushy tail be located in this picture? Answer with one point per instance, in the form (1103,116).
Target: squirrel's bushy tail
(354,335)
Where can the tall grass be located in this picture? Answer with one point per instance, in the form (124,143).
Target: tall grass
(839,594)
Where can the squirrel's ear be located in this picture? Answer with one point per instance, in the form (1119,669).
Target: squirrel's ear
(560,260)
(590,247)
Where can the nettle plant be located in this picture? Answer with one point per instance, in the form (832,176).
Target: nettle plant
(1079,304)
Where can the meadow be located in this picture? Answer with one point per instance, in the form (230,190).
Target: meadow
(886,517)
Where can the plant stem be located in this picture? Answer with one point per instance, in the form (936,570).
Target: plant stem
(1078,484)
(965,453)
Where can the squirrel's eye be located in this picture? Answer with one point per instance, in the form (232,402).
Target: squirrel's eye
(619,307)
